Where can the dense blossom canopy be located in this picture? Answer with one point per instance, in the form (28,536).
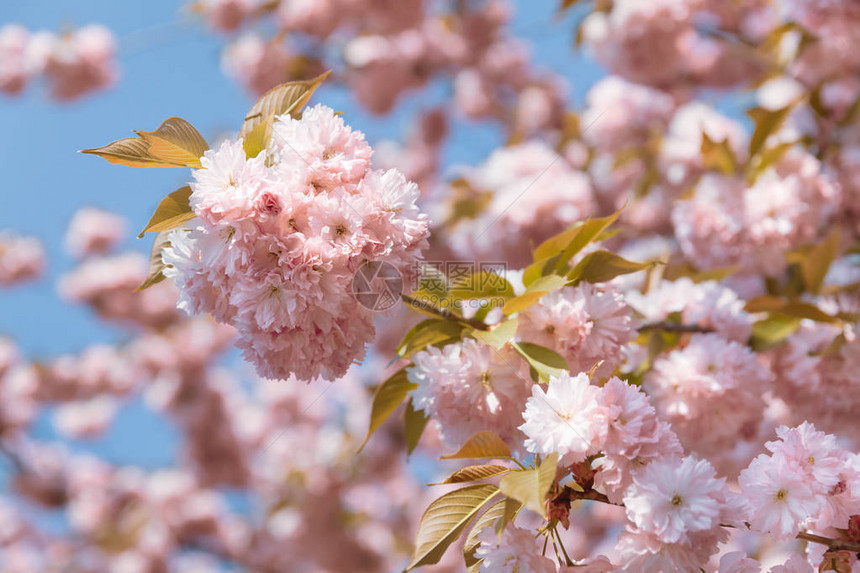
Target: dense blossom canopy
(630,332)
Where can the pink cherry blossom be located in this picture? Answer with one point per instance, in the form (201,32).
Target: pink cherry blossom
(565,419)
(515,552)
(672,497)
(584,324)
(470,386)
(22,258)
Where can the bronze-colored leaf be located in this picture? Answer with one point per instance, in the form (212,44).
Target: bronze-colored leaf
(177,142)
(388,396)
(475,473)
(717,155)
(131,151)
(445,519)
(483,445)
(156,265)
(288,98)
(416,421)
(531,486)
(488,518)
(171,212)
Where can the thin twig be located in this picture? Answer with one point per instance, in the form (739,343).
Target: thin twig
(835,544)
(444,313)
(674,327)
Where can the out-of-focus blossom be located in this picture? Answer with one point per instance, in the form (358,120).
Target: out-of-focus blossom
(21,258)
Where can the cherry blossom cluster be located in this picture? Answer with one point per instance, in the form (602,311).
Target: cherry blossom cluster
(278,238)
(72,64)
(496,188)
(391,48)
(128,518)
(698,414)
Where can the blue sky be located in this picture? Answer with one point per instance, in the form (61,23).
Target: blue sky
(169,67)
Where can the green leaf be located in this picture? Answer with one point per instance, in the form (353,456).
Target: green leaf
(432,282)
(717,155)
(416,421)
(387,397)
(795,308)
(512,508)
(533,293)
(427,333)
(557,243)
(445,519)
(772,331)
(488,518)
(766,123)
(543,361)
(589,231)
(766,158)
(176,142)
(483,445)
(131,151)
(480,285)
(500,335)
(475,473)
(531,486)
(572,240)
(717,274)
(601,266)
(539,269)
(156,265)
(815,263)
(173,211)
(258,137)
(288,98)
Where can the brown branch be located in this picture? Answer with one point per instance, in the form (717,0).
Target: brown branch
(836,544)
(593,496)
(675,327)
(444,313)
